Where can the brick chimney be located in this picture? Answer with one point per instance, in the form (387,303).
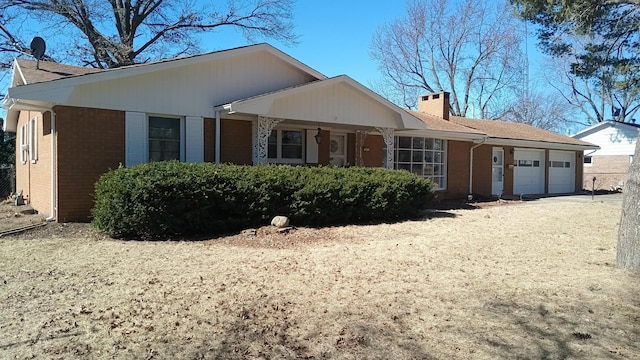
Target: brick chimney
(435,104)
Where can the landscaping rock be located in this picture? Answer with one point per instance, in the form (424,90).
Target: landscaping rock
(280,221)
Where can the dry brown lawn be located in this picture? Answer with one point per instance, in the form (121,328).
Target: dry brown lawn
(532,280)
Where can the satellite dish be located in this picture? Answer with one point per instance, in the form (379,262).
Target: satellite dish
(38,47)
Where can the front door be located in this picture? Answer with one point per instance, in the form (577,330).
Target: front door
(338,150)
(497,171)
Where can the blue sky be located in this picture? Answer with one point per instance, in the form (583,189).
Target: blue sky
(334,36)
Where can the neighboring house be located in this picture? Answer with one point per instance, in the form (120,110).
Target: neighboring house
(609,164)
(256,105)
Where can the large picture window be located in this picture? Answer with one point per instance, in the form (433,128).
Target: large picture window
(164,138)
(424,157)
(286,146)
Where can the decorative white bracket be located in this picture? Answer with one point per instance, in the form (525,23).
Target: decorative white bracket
(389,140)
(261,140)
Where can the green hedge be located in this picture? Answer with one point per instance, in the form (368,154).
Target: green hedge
(165,199)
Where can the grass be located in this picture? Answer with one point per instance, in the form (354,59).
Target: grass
(533,280)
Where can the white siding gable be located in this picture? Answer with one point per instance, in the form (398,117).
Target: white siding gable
(613,140)
(339,104)
(193,89)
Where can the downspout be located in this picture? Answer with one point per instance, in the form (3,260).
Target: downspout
(217,137)
(53,166)
(484,140)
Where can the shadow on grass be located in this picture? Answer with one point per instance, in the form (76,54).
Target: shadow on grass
(536,332)
(267,329)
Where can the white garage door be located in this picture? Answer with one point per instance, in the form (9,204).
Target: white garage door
(528,172)
(562,173)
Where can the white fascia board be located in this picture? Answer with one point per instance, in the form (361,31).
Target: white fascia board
(260,104)
(11,121)
(17,71)
(256,106)
(591,129)
(447,135)
(539,144)
(37,92)
(112,74)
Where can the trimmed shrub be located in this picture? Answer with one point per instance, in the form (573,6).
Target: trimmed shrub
(166,199)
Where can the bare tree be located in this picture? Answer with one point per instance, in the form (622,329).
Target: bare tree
(120,32)
(609,94)
(468,48)
(542,110)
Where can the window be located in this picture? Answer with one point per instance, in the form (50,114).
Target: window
(164,138)
(528,163)
(286,146)
(24,148)
(33,140)
(29,141)
(424,157)
(587,161)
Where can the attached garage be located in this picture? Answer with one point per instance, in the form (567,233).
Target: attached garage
(528,171)
(561,172)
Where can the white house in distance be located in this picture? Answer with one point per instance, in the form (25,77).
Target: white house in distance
(610,163)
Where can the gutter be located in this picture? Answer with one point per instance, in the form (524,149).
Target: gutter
(217,149)
(53,166)
(484,140)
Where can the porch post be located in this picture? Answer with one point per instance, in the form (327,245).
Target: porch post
(361,135)
(389,140)
(261,140)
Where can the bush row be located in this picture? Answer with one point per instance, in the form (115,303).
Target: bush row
(165,199)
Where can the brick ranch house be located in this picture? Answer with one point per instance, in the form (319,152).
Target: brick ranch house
(257,105)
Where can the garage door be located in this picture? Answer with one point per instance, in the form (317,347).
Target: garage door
(562,173)
(528,172)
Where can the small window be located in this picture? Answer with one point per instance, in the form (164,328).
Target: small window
(33,140)
(164,138)
(587,161)
(24,148)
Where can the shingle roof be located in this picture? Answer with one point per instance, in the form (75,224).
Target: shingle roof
(515,131)
(439,124)
(49,70)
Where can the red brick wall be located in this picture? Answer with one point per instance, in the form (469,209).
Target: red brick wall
(324,152)
(375,156)
(482,170)
(236,141)
(209,140)
(609,170)
(457,170)
(90,142)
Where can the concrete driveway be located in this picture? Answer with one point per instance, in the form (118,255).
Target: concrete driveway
(605,198)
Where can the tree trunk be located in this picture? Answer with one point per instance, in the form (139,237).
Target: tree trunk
(628,256)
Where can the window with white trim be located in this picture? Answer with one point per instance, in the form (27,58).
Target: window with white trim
(165,138)
(24,148)
(33,140)
(286,146)
(426,157)
(587,161)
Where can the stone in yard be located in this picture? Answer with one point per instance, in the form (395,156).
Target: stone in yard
(280,221)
